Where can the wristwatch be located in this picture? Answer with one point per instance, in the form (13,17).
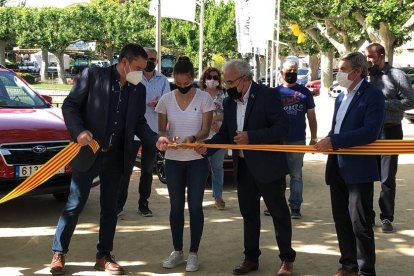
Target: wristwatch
(314,139)
(193,139)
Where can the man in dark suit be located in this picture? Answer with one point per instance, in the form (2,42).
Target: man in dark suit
(108,105)
(253,114)
(357,120)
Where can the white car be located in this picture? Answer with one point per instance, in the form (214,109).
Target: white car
(335,90)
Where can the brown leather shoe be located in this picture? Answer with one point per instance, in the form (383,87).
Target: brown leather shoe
(343,272)
(246,267)
(57,266)
(286,269)
(108,264)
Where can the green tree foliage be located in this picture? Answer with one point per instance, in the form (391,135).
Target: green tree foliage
(219,32)
(9,19)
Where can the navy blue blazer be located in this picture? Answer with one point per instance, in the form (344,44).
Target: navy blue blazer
(362,125)
(266,123)
(86,108)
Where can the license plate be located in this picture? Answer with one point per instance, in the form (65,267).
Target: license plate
(26,171)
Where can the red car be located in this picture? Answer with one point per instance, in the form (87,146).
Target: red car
(31,132)
(314,87)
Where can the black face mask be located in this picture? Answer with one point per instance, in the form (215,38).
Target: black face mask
(374,70)
(150,66)
(184,90)
(291,77)
(233,93)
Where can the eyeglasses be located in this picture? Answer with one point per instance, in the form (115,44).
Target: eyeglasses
(152,59)
(231,82)
(209,77)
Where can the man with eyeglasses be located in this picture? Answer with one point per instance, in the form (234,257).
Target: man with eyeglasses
(156,85)
(253,114)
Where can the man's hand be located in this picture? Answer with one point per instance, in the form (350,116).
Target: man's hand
(324,145)
(162,143)
(153,102)
(241,138)
(84,138)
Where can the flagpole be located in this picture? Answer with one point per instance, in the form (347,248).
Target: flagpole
(277,43)
(200,47)
(158,35)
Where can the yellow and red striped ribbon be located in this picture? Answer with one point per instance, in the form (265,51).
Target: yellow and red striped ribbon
(49,169)
(379,147)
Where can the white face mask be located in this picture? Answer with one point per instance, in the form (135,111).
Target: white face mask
(134,77)
(342,79)
(211,83)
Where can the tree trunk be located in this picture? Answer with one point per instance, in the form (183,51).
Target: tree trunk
(110,54)
(313,66)
(61,68)
(326,71)
(3,52)
(45,65)
(388,39)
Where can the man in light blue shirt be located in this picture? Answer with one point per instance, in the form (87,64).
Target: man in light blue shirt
(156,85)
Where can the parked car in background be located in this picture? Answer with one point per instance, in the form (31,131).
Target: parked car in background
(334,90)
(314,87)
(303,76)
(99,63)
(52,69)
(31,132)
(409,114)
(29,66)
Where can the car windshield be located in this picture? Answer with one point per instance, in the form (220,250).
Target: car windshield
(14,93)
(303,71)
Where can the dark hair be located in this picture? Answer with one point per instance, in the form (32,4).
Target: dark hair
(202,82)
(131,51)
(378,48)
(184,66)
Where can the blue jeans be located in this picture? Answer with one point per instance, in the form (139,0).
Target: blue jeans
(193,176)
(109,166)
(217,172)
(295,164)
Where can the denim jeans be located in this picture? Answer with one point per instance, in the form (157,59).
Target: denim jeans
(193,176)
(109,166)
(217,172)
(295,164)
(148,159)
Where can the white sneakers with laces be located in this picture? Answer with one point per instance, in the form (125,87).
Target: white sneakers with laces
(192,263)
(175,258)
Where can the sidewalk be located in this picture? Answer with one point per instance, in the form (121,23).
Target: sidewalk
(28,225)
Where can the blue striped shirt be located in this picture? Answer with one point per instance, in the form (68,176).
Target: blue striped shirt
(157,86)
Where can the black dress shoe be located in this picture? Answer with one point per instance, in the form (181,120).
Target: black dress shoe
(246,267)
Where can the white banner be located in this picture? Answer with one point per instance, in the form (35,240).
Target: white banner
(179,9)
(254,26)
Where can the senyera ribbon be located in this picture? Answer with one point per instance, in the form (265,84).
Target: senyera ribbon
(49,169)
(61,159)
(379,147)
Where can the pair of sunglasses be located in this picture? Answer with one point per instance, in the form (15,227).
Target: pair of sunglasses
(209,77)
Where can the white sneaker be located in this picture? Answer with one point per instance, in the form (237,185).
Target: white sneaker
(173,260)
(192,263)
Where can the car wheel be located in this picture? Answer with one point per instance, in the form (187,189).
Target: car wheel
(160,167)
(63,197)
